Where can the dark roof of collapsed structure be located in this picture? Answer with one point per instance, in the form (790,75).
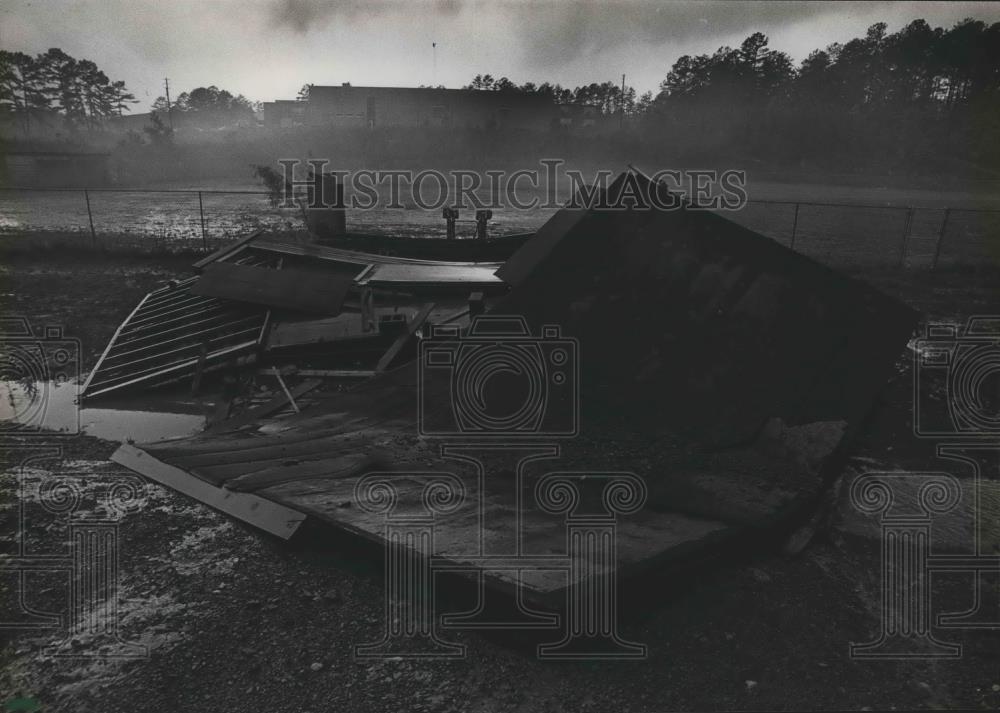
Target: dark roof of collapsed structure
(688,317)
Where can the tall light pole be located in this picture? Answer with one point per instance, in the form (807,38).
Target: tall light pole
(621,105)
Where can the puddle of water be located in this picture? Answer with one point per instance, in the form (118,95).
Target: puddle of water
(52,406)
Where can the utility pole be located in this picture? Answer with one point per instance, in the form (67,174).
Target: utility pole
(434,75)
(621,105)
(27,110)
(170,118)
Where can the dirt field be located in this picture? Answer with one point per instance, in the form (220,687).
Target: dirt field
(236,621)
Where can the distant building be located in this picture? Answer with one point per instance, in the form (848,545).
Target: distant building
(62,169)
(372,107)
(285,113)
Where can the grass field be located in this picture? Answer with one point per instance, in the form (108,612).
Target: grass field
(839,225)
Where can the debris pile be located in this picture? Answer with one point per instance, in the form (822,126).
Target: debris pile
(725,371)
(281,308)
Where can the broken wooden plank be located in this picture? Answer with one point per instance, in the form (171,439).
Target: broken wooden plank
(287,288)
(346,466)
(221,411)
(328,373)
(477,304)
(199,368)
(284,389)
(265,409)
(317,331)
(405,338)
(338,373)
(227,250)
(266,515)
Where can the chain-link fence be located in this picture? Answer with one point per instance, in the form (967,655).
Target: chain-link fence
(857,234)
(834,233)
(113,217)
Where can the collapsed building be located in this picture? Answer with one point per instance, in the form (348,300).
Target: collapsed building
(716,376)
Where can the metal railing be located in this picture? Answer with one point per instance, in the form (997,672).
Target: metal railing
(835,233)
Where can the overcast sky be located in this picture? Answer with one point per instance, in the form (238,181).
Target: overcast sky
(267,49)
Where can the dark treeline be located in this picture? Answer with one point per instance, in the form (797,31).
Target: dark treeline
(34,89)
(210,104)
(915,99)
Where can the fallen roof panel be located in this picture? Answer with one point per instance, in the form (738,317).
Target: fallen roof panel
(323,252)
(399,275)
(313,292)
(170,336)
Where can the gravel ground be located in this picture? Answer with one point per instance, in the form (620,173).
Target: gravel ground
(234,620)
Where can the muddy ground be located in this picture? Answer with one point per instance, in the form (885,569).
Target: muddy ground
(235,621)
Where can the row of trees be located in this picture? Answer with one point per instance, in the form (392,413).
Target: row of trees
(54,83)
(918,64)
(210,105)
(908,94)
(607,96)
(919,92)
(34,89)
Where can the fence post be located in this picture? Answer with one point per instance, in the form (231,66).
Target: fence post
(944,227)
(795,225)
(90,217)
(906,235)
(201,210)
